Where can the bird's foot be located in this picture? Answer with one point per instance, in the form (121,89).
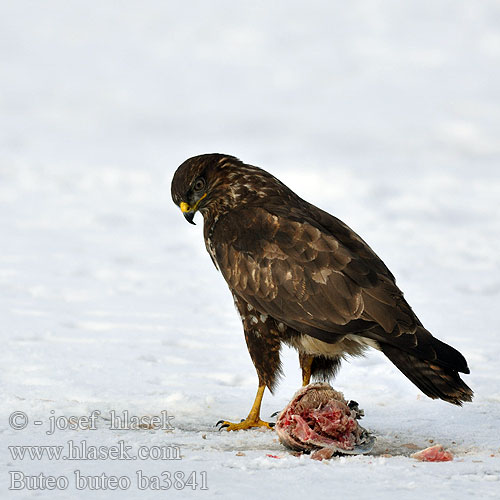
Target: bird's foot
(248,423)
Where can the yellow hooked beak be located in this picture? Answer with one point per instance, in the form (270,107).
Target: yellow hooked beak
(184,207)
(189,210)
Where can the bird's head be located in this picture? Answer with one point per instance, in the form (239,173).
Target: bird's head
(215,183)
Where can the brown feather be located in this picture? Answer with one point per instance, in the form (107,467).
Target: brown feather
(309,276)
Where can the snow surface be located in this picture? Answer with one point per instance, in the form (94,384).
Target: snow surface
(384,113)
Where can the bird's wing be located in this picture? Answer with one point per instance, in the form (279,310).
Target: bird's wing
(324,281)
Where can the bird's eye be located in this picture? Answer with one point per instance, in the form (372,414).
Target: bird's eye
(199,184)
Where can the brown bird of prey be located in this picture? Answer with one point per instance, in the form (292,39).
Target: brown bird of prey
(302,277)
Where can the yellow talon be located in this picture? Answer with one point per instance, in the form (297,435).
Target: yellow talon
(246,424)
(253,419)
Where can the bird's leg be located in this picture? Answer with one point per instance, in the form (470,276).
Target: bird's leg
(253,419)
(263,342)
(306,363)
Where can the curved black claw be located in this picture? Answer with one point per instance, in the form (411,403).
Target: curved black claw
(276,413)
(271,424)
(223,426)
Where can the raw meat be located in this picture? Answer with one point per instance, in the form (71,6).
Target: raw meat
(319,418)
(434,453)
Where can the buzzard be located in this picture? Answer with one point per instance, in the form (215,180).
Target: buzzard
(302,277)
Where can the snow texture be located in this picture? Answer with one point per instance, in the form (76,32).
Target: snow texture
(384,113)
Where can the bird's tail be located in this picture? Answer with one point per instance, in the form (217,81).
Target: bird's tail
(433,367)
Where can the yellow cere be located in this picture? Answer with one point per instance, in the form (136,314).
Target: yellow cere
(185,207)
